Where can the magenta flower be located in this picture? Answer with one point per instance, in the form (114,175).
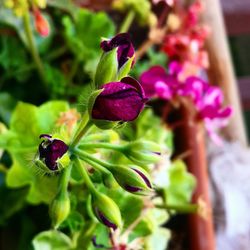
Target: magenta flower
(119,101)
(157,83)
(207,99)
(124,45)
(50,150)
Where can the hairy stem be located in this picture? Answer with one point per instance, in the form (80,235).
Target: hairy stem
(115,147)
(82,129)
(187,208)
(85,175)
(32,46)
(84,156)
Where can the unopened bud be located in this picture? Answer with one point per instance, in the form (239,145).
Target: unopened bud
(133,179)
(41,24)
(106,211)
(143,152)
(60,208)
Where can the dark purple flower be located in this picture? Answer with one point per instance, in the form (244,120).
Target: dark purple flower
(119,101)
(50,150)
(124,45)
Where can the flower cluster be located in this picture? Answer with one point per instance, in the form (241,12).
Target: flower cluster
(118,98)
(207,99)
(185,43)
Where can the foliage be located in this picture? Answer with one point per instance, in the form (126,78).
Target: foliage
(44,81)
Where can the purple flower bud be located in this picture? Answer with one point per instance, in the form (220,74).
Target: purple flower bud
(143,176)
(119,101)
(105,220)
(133,179)
(50,150)
(124,45)
(135,189)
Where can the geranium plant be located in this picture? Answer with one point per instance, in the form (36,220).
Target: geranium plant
(92,169)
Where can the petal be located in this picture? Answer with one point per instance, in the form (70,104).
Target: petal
(149,78)
(125,47)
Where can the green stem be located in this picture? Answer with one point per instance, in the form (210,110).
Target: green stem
(64,179)
(96,166)
(56,53)
(85,156)
(188,208)
(73,70)
(85,176)
(82,129)
(127,22)
(115,147)
(32,47)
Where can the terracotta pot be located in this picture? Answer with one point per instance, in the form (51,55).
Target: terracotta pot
(190,142)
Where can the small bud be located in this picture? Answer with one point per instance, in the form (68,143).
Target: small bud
(52,152)
(133,179)
(143,152)
(41,24)
(106,210)
(60,208)
(125,49)
(116,61)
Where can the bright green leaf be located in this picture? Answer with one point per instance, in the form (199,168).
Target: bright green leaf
(52,240)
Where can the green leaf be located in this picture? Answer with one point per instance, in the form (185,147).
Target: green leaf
(159,239)
(83,34)
(11,203)
(181,184)
(13,58)
(52,240)
(56,81)
(7,104)
(65,5)
(74,222)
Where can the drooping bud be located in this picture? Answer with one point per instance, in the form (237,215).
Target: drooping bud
(143,152)
(133,179)
(106,210)
(60,208)
(116,61)
(125,49)
(52,152)
(118,101)
(41,24)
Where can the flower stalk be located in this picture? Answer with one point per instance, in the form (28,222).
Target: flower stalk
(115,147)
(85,175)
(185,208)
(32,47)
(82,129)
(127,21)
